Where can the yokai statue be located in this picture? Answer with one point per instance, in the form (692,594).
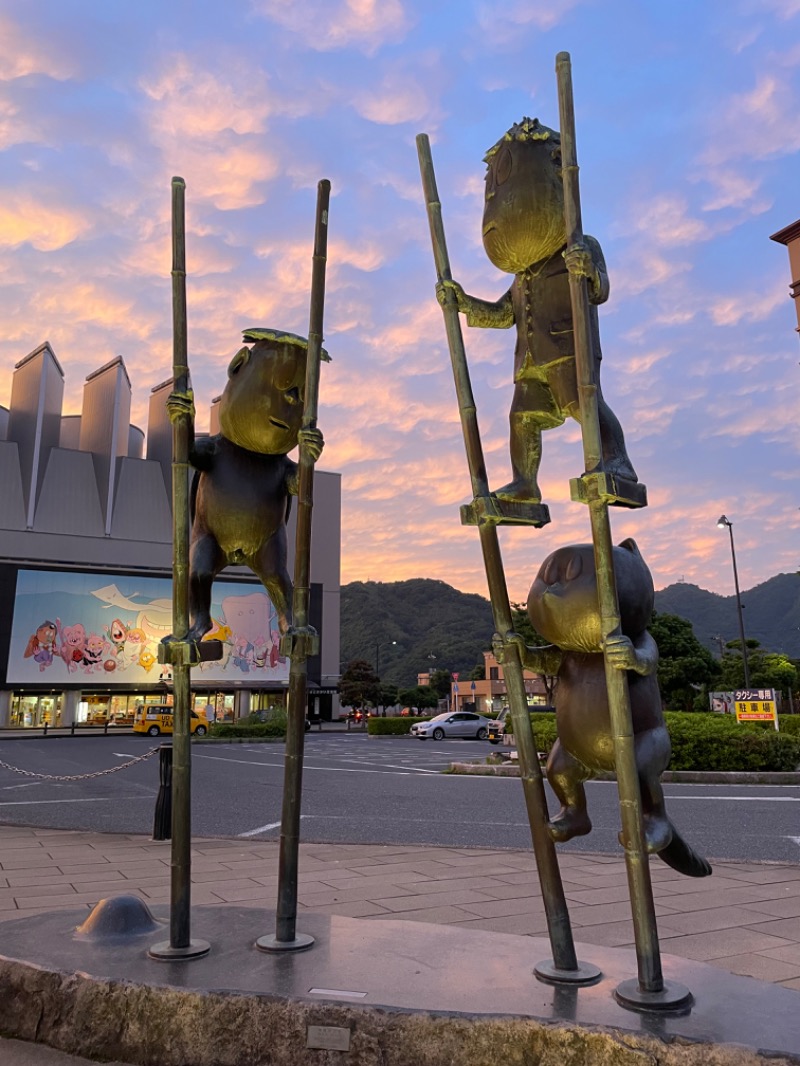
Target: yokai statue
(524,234)
(563,607)
(241,493)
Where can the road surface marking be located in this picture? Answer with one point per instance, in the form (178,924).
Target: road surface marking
(89,799)
(331,769)
(736,799)
(262,829)
(28,784)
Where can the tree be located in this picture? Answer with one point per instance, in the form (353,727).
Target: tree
(767,669)
(389,695)
(478,672)
(359,685)
(521,624)
(440,681)
(421,697)
(683,662)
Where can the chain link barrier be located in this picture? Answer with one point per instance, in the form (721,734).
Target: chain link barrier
(78,777)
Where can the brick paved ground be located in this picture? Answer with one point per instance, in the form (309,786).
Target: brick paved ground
(745,918)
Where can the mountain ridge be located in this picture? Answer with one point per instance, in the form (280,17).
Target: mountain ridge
(435,626)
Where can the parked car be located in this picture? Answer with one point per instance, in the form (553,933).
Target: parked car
(497,728)
(452,724)
(156,718)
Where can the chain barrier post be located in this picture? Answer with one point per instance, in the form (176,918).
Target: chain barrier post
(162,818)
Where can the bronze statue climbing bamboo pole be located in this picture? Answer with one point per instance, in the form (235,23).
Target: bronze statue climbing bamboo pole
(650,979)
(302,639)
(565,964)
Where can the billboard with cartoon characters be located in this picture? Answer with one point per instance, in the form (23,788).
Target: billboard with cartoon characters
(87,630)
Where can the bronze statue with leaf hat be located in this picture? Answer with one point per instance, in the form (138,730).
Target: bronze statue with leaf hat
(241,493)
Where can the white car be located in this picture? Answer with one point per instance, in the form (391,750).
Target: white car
(455,724)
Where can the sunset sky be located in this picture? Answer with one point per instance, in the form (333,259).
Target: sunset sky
(688,139)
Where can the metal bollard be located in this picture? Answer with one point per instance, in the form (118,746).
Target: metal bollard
(162,820)
(72,729)
(105,727)
(45,729)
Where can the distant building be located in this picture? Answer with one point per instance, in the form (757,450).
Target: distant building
(790,236)
(86,565)
(490,694)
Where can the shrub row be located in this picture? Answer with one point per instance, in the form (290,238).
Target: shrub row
(393,727)
(706,742)
(247,729)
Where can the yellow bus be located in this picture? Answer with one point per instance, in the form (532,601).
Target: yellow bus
(156,718)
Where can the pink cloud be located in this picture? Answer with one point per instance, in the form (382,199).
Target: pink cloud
(334,24)
(23,52)
(24,219)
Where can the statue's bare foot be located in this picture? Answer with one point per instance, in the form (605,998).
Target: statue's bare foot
(657,833)
(519,492)
(569,823)
(621,467)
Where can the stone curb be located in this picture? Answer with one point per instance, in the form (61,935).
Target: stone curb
(688,777)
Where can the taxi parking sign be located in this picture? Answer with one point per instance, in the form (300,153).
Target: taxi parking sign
(756,705)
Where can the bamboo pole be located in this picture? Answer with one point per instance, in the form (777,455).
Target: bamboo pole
(181,945)
(286,937)
(564,966)
(652,991)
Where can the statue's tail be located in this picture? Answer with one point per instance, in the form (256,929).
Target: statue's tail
(683,858)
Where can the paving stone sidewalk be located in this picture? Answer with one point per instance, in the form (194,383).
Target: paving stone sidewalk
(744,919)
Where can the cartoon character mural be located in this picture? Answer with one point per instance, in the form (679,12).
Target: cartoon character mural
(42,645)
(252,622)
(114,629)
(73,644)
(117,633)
(93,652)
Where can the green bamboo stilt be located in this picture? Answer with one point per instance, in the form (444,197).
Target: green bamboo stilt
(180,944)
(650,991)
(302,640)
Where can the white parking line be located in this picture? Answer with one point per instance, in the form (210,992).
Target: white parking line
(263,829)
(89,799)
(330,769)
(737,799)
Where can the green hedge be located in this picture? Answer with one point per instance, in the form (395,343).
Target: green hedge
(393,727)
(247,729)
(706,742)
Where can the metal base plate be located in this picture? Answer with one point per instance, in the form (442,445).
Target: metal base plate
(586,974)
(672,997)
(273,945)
(164,952)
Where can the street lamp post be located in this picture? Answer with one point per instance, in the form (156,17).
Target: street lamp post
(722,521)
(386,644)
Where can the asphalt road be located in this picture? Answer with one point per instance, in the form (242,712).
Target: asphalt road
(358,789)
